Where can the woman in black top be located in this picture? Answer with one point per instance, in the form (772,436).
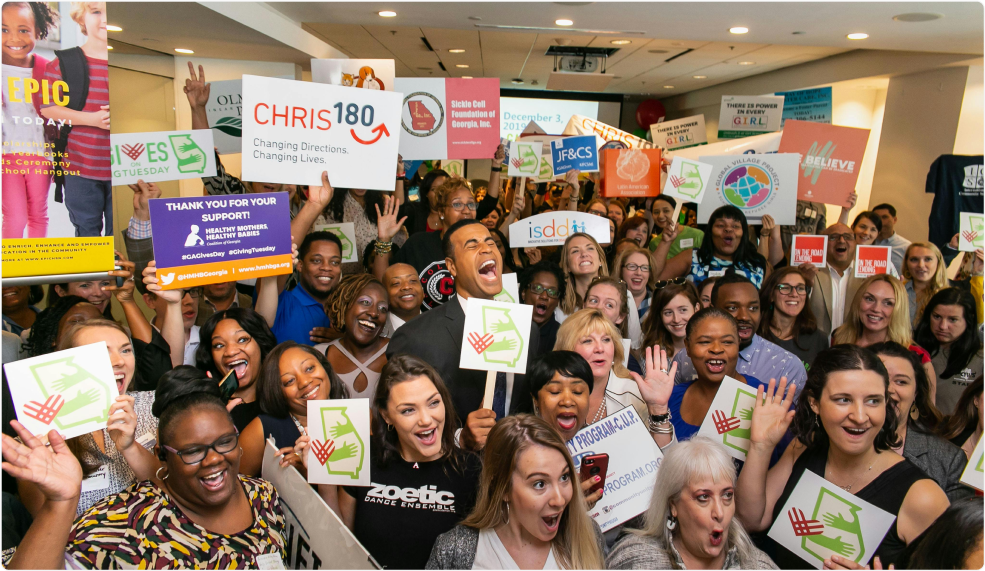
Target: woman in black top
(422,483)
(845,428)
(787,317)
(964,427)
(420,216)
(236,339)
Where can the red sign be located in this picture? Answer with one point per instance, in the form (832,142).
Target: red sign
(809,250)
(872,260)
(830,159)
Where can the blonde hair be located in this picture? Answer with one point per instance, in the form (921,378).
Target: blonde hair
(621,259)
(684,463)
(576,544)
(899,324)
(572,301)
(584,322)
(79,11)
(937,283)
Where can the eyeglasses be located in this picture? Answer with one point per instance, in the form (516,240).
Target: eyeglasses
(845,237)
(195,454)
(660,284)
(194,293)
(537,289)
(634,267)
(459,206)
(787,289)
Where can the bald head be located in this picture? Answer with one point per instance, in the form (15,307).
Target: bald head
(403,287)
(841,245)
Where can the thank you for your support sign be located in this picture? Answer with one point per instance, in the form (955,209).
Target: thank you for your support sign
(295,130)
(221,238)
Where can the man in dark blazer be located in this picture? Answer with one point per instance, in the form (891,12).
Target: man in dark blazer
(436,335)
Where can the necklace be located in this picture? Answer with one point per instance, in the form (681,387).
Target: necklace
(848,488)
(298,424)
(601,412)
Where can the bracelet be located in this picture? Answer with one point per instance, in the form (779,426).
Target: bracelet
(382,247)
(660,418)
(496,169)
(663,428)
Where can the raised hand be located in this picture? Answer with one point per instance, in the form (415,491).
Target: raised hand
(768,224)
(142,193)
(656,387)
(771,416)
(571,177)
(320,196)
(301,449)
(387,225)
(499,156)
(196,89)
(171,296)
(851,200)
(671,232)
(123,293)
(477,427)
(519,199)
(54,469)
(533,254)
(809,271)
(122,423)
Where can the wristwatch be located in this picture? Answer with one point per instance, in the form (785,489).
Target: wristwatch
(496,169)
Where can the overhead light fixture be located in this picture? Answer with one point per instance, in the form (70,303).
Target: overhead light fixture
(111,28)
(466,77)
(747,63)
(183,51)
(700,76)
(668,87)
(739,30)
(564,22)
(857,36)
(620,42)
(388,13)
(517,81)
(109,47)
(918,17)
(456,51)
(462,65)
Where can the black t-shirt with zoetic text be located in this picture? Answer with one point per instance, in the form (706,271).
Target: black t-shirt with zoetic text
(409,504)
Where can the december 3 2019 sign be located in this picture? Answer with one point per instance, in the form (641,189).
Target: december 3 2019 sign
(221,238)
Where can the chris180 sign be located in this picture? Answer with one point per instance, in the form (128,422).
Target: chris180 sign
(314,128)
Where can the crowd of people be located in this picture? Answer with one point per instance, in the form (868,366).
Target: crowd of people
(874,384)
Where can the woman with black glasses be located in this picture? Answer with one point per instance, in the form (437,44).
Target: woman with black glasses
(787,317)
(542,285)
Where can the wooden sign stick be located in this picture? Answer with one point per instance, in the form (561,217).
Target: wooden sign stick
(677,211)
(487,398)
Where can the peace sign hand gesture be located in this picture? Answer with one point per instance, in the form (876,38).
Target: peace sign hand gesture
(771,417)
(195,87)
(658,384)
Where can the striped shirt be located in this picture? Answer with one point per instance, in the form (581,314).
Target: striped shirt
(88,147)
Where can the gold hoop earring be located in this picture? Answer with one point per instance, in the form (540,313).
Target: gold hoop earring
(914,412)
(389,427)
(158,474)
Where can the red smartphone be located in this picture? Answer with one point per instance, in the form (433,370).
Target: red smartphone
(594,465)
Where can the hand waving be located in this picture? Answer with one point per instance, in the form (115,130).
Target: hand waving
(54,469)
(770,417)
(387,225)
(195,87)
(656,387)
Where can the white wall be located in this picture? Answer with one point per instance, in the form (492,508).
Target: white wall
(971,124)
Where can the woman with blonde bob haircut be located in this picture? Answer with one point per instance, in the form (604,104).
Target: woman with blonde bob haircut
(925,272)
(530,514)
(582,260)
(880,312)
(691,521)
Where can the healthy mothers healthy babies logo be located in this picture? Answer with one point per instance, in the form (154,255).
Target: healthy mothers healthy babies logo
(748,184)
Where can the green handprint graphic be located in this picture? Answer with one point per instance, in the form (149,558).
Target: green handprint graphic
(191,158)
(842,534)
(838,521)
(835,544)
(80,400)
(738,438)
(507,345)
(745,414)
(87,397)
(350,450)
(347,451)
(341,430)
(502,345)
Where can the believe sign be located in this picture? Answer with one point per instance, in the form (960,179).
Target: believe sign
(295,130)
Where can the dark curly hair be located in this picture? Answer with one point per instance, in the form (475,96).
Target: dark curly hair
(249,320)
(44,332)
(269,393)
(44,17)
(807,428)
(179,390)
(345,294)
(526,277)
(745,254)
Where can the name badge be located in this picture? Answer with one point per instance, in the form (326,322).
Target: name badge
(269,561)
(716,273)
(147,440)
(687,243)
(98,480)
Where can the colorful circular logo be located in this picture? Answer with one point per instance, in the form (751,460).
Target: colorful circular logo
(747,186)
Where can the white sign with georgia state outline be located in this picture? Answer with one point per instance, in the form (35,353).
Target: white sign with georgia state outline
(497,336)
(346,232)
(338,452)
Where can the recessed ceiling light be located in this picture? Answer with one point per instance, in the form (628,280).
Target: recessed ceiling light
(456,51)
(917,17)
(475,18)
(563,22)
(668,87)
(700,76)
(738,30)
(183,51)
(857,36)
(109,47)
(657,51)
(466,77)
(797,33)
(462,65)
(517,81)
(388,13)
(747,63)
(620,42)
(111,28)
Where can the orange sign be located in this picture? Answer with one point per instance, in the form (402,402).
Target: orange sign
(830,159)
(872,260)
(809,250)
(631,172)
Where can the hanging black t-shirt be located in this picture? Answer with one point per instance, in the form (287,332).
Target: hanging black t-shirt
(956,182)
(409,504)
(423,251)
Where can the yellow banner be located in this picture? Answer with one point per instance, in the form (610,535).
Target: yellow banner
(24,257)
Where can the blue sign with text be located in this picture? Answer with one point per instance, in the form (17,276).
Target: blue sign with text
(807,105)
(572,153)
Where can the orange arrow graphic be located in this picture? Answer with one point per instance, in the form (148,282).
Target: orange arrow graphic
(380,131)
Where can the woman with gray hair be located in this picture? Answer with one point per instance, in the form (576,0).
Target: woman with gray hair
(691,523)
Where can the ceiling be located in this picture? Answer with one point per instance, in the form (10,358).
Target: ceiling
(693,35)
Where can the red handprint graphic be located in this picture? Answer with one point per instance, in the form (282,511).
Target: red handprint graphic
(803,526)
(722,424)
(45,412)
(322,450)
(480,344)
(677,181)
(133,151)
